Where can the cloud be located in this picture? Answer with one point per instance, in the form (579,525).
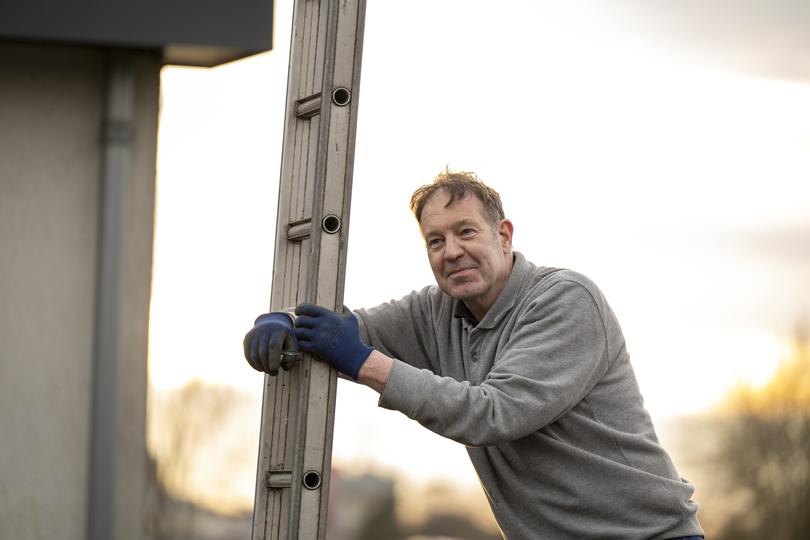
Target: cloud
(767,39)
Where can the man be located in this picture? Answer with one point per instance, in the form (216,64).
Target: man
(524,365)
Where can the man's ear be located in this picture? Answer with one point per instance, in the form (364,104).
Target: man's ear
(505,230)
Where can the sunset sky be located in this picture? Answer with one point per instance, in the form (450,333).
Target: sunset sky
(678,183)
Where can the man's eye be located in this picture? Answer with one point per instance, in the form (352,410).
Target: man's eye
(467,232)
(434,242)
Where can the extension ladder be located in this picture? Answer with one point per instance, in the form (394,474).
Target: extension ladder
(295,447)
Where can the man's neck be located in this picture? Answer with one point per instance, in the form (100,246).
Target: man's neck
(480,311)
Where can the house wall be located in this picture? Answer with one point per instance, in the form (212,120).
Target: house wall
(51,157)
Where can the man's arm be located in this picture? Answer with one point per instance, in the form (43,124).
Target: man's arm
(555,355)
(335,338)
(404,328)
(375,371)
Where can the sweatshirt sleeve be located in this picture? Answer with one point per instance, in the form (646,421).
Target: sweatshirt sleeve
(403,328)
(556,353)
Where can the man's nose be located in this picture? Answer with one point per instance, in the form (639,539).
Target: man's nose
(452,248)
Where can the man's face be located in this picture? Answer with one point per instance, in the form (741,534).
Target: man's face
(471,259)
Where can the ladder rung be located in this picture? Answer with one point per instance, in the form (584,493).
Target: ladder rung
(309,106)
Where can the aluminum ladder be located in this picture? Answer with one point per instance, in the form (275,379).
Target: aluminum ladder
(298,407)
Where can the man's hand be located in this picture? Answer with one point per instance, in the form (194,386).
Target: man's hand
(271,342)
(334,338)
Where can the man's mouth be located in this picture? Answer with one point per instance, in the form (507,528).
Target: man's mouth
(456,272)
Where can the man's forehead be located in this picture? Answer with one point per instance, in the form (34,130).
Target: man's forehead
(466,210)
(438,203)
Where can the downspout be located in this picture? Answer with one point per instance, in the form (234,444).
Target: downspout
(117,136)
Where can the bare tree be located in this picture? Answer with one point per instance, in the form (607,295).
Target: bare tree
(186,427)
(765,454)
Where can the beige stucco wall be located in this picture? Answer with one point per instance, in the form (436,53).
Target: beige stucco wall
(51,104)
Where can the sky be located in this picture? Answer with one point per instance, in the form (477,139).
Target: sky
(678,184)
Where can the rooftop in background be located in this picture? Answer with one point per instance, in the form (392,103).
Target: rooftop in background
(189,32)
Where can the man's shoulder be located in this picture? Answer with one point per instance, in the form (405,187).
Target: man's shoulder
(431,294)
(572,276)
(544,278)
(550,275)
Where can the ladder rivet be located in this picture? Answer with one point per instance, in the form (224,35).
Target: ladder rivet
(331,224)
(312,480)
(341,96)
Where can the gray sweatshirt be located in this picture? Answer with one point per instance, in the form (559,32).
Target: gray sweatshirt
(542,393)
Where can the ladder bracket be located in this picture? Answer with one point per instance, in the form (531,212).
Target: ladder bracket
(300,230)
(279,479)
(309,106)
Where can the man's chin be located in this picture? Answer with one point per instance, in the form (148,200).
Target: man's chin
(460,292)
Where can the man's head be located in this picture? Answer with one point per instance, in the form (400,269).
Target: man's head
(469,242)
(458,185)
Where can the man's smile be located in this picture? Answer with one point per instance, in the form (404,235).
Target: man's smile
(460,272)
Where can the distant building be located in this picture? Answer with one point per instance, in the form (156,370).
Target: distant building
(361,507)
(79,106)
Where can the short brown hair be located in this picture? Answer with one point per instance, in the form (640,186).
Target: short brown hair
(457,185)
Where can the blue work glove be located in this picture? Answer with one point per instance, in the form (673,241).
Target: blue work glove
(334,338)
(271,343)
